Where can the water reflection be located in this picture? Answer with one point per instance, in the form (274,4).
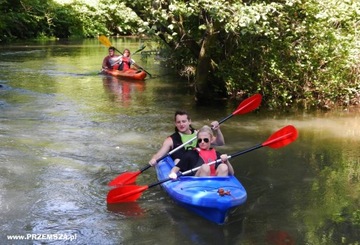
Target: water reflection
(129,209)
(193,229)
(279,237)
(120,90)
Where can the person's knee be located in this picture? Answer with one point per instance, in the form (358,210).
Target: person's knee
(204,170)
(222,170)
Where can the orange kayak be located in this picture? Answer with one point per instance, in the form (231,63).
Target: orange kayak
(133,74)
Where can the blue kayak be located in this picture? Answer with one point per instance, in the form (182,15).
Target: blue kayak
(210,197)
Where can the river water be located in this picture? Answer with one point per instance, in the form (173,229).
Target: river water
(66,131)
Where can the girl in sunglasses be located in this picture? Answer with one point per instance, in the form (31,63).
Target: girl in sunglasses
(202,155)
(184,132)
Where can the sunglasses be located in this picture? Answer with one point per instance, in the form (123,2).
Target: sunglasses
(206,140)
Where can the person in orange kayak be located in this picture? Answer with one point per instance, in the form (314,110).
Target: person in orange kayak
(183,133)
(112,60)
(118,62)
(201,155)
(126,61)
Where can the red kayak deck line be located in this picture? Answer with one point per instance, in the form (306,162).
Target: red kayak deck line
(133,74)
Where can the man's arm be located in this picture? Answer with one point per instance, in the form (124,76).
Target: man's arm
(165,148)
(219,139)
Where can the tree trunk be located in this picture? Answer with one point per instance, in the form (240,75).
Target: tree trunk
(207,87)
(203,69)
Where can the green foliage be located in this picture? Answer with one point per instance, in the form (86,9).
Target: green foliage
(22,19)
(297,53)
(45,18)
(294,52)
(119,19)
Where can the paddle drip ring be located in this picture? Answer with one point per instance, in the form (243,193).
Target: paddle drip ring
(222,192)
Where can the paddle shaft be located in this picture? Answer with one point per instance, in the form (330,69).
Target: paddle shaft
(190,140)
(274,141)
(182,174)
(210,163)
(135,64)
(118,50)
(140,49)
(226,118)
(132,53)
(132,176)
(170,152)
(245,106)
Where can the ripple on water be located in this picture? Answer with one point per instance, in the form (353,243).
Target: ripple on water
(71,203)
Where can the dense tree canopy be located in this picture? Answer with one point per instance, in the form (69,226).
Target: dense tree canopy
(294,52)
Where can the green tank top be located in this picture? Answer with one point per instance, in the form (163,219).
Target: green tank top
(187,137)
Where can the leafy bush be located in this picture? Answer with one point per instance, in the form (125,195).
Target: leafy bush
(297,53)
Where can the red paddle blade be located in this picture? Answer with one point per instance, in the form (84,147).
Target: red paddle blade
(248,104)
(125,179)
(282,137)
(129,193)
